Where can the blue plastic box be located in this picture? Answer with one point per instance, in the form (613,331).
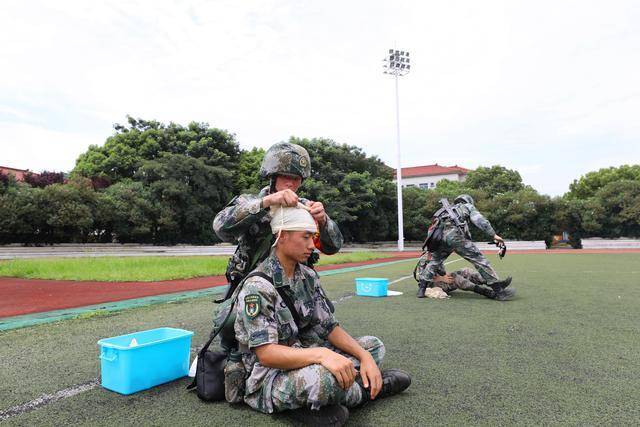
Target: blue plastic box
(371,286)
(155,357)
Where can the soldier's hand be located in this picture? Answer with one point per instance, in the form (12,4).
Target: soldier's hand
(341,367)
(285,198)
(497,239)
(317,212)
(447,278)
(371,376)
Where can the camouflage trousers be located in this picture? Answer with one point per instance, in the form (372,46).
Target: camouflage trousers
(432,263)
(314,385)
(465,279)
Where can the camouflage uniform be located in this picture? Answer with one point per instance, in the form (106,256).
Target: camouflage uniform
(245,221)
(453,240)
(465,279)
(262,318)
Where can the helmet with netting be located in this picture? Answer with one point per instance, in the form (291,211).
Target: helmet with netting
(286,158)
(464,198)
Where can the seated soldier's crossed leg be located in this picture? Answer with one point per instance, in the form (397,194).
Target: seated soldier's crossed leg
(315,386)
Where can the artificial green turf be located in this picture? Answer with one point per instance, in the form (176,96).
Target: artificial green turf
(564,351)
(143,269)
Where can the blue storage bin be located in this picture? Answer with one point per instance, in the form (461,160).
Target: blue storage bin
(371,286)
(155,357)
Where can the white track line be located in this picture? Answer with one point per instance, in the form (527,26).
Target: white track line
(45,399)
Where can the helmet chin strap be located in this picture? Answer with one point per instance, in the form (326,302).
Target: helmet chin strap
(272,183)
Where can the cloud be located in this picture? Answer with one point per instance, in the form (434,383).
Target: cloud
(507,83)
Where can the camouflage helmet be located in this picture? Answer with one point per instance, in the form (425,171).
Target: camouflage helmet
(464,198)
(286,158)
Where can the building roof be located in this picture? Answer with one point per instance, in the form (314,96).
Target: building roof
(430,170)
(7,168)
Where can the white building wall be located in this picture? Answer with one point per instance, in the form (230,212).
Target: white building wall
(430,181)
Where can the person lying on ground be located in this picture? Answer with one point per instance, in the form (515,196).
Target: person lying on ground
(467,279)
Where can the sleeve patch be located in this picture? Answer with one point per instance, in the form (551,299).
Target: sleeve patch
(252,305)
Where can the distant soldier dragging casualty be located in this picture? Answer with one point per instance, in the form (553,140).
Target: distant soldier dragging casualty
(246,218)
(448,233)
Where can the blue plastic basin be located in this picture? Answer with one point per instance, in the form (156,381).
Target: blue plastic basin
(161,355)
(371,286)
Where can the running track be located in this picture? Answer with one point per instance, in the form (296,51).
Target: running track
(26,296)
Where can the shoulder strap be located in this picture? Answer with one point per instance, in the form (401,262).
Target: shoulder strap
(283,294)
(233,303)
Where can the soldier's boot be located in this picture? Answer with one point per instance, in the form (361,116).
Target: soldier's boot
(422,287)
(500,284)
(501,295)
(394,381)
(483,290)
(330,415)
(505,294)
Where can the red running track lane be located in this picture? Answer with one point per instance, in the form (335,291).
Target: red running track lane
(25,296)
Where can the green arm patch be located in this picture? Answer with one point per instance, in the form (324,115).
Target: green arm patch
(252,305)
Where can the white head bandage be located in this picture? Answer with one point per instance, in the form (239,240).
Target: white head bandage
(291,219)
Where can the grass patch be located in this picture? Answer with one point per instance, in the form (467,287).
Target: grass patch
(140,269)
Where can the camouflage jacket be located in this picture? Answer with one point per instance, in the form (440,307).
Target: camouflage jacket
(243,221)
(262,317)
(468,213)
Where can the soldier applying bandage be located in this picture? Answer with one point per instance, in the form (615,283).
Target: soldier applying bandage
(296,355)
(449,233)
(246,218)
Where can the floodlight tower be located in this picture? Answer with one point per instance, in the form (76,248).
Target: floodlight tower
(397,63)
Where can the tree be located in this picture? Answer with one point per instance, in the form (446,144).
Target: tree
(619,213)
(22,214)
(494,180)
(356,189)
(186,193)
(69,211)
(125,213)
(44,179)
(247,176)
(589,184)
(125,151)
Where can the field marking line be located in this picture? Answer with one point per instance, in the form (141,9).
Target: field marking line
(45,399)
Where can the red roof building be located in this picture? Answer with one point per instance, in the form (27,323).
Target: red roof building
(427,176)
(18,173)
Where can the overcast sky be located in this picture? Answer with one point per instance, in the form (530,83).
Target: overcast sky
(549,88)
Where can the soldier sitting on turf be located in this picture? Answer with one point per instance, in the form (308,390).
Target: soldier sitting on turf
(295,354)
(245,219)
(468,280)
(448,233)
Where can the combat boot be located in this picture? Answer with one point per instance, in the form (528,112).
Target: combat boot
(483,290)
(331,415)
(422,287)
(394,381)
(500,284)
(505,294)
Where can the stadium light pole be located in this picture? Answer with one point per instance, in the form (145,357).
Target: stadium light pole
(397,63)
